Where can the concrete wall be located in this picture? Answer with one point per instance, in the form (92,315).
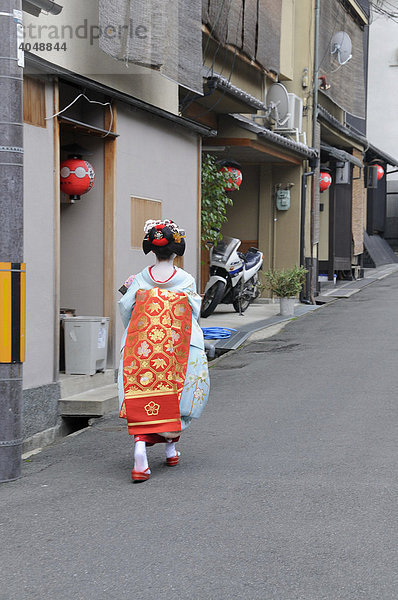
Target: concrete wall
(39,250)
(155,160)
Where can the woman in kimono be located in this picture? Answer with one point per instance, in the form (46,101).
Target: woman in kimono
(163,375)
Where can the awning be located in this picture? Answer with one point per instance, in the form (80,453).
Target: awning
(334,123)
(373,153)
(270,136)
(84,82)
(265,146)
(34,7)
(223,84)
(341,155)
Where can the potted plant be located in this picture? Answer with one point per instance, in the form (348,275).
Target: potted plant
(286,284)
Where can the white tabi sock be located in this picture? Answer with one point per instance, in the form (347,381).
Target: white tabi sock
(140,457)
(170,448)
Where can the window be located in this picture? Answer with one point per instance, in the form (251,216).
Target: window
(34,101)
(142,209)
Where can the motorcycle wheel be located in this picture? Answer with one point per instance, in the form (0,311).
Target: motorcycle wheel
(212,297)
(246,299)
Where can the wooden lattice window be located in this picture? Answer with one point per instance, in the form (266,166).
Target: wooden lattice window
(34,101)
(142,209)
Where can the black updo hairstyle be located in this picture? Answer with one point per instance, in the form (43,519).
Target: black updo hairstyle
(163,242)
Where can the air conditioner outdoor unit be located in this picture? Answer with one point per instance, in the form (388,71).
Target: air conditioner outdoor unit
(295,120)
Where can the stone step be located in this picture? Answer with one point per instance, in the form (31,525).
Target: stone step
(76,384)
(90,403)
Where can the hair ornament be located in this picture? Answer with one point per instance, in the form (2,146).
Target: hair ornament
(162,233)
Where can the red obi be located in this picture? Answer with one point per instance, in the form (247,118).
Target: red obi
(155,361)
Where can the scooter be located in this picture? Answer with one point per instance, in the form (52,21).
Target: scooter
(233,276)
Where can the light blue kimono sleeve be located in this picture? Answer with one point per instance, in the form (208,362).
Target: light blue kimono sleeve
(193,297)
(195,302)
(127,302)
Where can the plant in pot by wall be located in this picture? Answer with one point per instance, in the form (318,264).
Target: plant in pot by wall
(286,284)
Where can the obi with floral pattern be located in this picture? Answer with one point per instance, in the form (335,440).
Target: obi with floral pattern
(163,376)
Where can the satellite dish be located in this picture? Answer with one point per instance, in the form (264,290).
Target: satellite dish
(341,47)
(277,104)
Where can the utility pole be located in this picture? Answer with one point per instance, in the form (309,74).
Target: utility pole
(12,269)
(313,269)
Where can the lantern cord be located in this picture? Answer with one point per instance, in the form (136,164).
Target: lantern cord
(91,102)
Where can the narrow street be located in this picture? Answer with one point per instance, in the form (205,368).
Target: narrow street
(287,487)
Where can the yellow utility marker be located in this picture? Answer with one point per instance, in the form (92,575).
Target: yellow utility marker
(12,312)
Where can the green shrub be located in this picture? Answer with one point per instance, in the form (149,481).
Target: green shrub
(214,200)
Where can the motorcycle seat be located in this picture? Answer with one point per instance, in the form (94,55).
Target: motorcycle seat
(251,259)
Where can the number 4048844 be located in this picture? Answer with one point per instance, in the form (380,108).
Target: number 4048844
(42,46)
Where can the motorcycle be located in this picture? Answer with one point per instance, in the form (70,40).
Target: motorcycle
(233,276)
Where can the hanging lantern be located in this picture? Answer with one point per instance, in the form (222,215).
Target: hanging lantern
(325,181)
(234,180)
(380,171)
(77,177)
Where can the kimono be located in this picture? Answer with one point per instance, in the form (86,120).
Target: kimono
(163,380)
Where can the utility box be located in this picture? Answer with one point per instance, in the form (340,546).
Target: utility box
(282,199)
(86,344)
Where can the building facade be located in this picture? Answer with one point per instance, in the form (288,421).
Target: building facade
(123,118)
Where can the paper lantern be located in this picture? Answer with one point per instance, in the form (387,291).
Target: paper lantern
(325,181)
(380,172)
(235,179)
(77,177)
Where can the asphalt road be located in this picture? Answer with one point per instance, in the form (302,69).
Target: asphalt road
(287,487)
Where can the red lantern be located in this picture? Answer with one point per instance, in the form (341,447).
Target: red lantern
(77,177)
(326,180)
(235,179)
(380,172)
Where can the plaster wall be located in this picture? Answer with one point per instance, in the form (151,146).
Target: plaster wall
(297,54)
(82,241)
(39,251)
(159,161)
(287,224)
(243,215)
(323,252)
(382,130)
(77,27)
(265,211)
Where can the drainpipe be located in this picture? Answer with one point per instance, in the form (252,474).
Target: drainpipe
(11,240)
